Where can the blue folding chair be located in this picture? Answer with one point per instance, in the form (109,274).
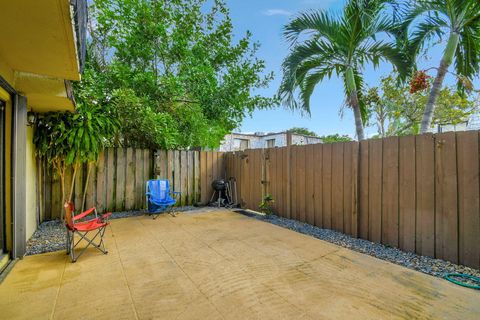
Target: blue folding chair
(159,197)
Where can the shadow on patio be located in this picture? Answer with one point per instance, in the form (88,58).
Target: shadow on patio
(219,264)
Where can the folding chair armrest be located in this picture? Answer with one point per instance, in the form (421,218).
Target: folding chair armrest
(175,193)
(105,216)
(84,214)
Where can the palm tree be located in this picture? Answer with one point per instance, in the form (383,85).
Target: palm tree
(460,20)
(324,44)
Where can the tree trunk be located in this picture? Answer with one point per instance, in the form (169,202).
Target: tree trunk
(353,102)
(437,83)
(75,166)
(358,119)
(86,185)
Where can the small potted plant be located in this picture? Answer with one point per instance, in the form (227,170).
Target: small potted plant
(266,205)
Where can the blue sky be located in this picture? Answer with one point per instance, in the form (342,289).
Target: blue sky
(265,19)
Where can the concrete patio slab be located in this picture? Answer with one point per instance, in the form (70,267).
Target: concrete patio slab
(223,265)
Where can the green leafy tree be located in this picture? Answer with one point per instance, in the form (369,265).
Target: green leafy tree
(304,131)
(459,20)
(171,71)
(394,110)
(325,43)
(331,138)
(71,139)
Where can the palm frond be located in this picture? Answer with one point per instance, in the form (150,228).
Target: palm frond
(319,23)
(308,85)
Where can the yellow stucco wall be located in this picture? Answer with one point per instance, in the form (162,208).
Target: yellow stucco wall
(31,193)
(8,165)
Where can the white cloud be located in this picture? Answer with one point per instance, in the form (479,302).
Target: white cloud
(321,3)
(277,12)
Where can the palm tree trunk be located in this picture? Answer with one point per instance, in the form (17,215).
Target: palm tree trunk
(437,83)
(353,102)
(358,119)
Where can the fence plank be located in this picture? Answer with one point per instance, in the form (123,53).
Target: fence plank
(407,194)
(425,236)
(177,177)
(375,190)
(147,171)
(281,188)
(364,212)
(190,177)
(272,177)
(100,180)
(446,215)
(130,181)
(258,177)
(183,177)
(196,177)
(318,155)
(163,163)
(355,222)
(348,185)
(468,199)
(211,166)
(295,214)
(327,186)
(390,192)
(243,190)
(111,168)
(249,178)
(309,185)
(120,183)
(170,166)
(203,175)
(337,186)
(300,189)
(140,187)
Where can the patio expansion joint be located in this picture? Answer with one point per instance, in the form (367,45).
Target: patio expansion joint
(243,270)
(124,275)
(59,289)
(187,275)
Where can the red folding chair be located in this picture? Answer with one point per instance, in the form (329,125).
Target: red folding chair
(97,225)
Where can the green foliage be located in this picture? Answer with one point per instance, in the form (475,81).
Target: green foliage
(171,72)
(326,44)
(303,131)
(331,138)
(51,137)
(65,138)
(396,111)
(429,22)
(266,204)
(73,138)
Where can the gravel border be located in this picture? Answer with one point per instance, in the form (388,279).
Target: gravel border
(431,266)
(50,235)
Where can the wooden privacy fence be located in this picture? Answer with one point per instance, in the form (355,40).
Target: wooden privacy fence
(117,180)
(116,183)
(190,172)
(417,193)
